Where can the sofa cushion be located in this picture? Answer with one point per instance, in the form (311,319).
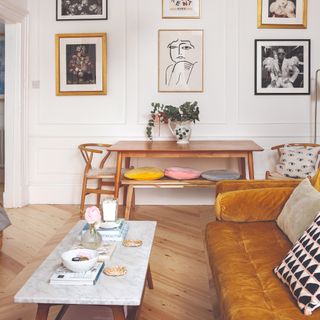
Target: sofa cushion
(300,269)
(298,162)
(242,257)
(299,211)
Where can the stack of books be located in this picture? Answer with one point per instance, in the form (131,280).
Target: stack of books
(111,231)
(63,276)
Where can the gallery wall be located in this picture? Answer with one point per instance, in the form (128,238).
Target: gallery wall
(228,107)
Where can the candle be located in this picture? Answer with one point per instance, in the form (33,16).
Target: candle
(110,209)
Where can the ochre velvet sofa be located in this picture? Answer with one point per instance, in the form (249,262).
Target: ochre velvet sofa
(244,245)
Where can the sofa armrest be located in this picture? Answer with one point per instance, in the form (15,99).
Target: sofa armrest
(233,185)
(264,204)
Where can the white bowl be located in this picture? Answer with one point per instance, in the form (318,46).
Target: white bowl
(79,266)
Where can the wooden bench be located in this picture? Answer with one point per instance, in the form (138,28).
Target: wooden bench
(130,185)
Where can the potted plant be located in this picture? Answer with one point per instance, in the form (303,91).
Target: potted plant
(179,119)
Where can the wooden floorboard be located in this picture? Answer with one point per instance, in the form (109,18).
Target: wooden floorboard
(178,261)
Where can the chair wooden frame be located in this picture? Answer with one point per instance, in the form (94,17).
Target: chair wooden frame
(88,152)
(280,146)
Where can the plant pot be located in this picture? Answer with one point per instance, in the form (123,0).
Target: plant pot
(181,130)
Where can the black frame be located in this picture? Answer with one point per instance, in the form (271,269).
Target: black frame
(308,41)
(84,19)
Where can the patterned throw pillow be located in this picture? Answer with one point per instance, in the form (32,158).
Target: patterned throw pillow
(300,269)
(298,162)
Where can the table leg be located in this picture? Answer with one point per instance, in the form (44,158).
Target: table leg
(242,166)
(128,202)
(118,313)
(42,311)
(250,166)
(149,277)
(133,313)
(125,189)
(118,175)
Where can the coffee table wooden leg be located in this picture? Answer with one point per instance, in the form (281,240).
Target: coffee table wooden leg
(42,312)
(128,202)
(242,165)
(133,313)
(149,278)
(118,313)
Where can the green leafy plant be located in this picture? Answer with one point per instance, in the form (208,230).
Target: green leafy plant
(160,113)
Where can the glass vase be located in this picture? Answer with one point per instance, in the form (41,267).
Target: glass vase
(91,239)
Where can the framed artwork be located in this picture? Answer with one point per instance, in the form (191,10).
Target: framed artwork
(81,64)
(81,10)
(180,60)
(181,9)
(282,14)
(2,63)
(282,66)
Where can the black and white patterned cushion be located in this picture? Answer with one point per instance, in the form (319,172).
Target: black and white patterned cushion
(300,269)
(298,162)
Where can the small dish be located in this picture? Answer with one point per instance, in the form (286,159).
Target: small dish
(110,224)
(132,243)
(115,271)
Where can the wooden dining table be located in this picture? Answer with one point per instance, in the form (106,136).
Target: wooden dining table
(238,149)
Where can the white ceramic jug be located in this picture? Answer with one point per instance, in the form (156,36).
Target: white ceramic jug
(181,130)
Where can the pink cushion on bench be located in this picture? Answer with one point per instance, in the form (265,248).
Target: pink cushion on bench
(181,173)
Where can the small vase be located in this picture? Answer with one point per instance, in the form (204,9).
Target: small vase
(181,130)
(91,239)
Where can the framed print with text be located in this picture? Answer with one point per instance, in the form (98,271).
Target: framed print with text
(180,60)
(81,64)
(282,14)
(81,10)
(282,66)
(181,9)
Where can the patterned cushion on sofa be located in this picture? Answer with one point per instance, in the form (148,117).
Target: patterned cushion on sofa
(300,269)
(298,162)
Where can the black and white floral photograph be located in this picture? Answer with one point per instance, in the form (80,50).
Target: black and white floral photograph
(282,67)
(82,9)
(282,13)
(81,64)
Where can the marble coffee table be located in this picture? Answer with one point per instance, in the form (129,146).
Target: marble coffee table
(115,292)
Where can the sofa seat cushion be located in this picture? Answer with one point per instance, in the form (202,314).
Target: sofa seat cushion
(242,257)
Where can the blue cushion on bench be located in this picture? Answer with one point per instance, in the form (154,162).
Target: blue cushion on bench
(216,175)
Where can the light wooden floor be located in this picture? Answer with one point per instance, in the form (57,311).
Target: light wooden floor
(178,260)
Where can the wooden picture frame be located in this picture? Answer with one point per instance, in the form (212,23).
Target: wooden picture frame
(282,67)
(2,65)
(73,10)
(180,60)
(272,14)
(181,9)
(81,61)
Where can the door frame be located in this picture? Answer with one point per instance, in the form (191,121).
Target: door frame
(16,105)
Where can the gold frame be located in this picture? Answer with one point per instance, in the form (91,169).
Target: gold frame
(283,26)
(2,96)
(104,63)
(202,57)
(182,17)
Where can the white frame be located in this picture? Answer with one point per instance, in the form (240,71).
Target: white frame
(103,16)
(259,89)
(168,11)
(191,79)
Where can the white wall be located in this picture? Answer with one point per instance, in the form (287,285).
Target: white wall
(228,107)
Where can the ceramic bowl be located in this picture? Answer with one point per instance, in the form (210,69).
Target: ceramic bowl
(69,257)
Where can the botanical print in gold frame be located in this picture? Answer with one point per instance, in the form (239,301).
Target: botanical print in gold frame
(81,60)
(180,60)
(282,14)
(181,9)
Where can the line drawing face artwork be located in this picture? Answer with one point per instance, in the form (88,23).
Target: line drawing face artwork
(180,71)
